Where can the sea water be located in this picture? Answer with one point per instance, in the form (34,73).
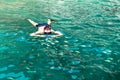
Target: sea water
(88,50)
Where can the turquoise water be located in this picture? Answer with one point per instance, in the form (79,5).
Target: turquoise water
(88,50)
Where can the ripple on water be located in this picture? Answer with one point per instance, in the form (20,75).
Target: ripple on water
(106,51)
(9,34)
(21,38)
(4,48)
(71,71)
(118,15)
(99,50)
(56,68)
(99,55)
(74,48)
(110,59)
(16,76)
(11,65)
(3,69)
(75,62)
(60,2)
(51,63)
(31,56)
(6,68)
(74,76)
(2,76)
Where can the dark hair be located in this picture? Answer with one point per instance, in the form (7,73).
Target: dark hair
(48,27)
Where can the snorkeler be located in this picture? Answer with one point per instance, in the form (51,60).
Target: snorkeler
(44,28)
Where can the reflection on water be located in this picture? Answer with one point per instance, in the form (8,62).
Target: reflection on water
(89,49)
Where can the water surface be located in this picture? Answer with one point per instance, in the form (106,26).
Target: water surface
(88,50)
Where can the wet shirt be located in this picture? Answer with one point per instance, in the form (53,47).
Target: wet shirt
(40,25)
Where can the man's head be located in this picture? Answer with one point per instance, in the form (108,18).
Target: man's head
(47,29)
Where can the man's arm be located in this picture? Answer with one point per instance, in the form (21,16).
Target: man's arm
(57,33)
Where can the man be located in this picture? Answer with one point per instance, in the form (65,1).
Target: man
(44,28)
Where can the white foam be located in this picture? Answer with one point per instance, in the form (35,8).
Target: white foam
(118,15)
(60,2)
